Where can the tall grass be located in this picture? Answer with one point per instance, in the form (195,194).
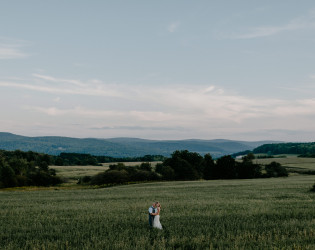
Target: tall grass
(276,213)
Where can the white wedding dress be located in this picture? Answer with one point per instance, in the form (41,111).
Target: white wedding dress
(156,222)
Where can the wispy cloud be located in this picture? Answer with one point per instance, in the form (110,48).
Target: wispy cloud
(11,53)
(140,128)
(305,22)
(57,99)
(177,103)
(41,83)
(191,113)
(148,107)
(172,27)
(53,79)
(151,116)
(77,111)
(11,49)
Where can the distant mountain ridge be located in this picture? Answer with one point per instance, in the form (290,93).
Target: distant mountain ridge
(122,147)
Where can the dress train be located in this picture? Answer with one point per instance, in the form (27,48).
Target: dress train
(156,222)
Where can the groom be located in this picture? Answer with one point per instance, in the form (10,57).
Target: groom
(152,213)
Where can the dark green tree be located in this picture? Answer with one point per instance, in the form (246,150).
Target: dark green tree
(226,167)
(209,167)
(118,166)
(7,175)
(145,166)
(19,165)
(186,165)
(274,169)
(247,169)
(249,157)
(110,177)
(168,173)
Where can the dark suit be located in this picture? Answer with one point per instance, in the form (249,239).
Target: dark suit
(151,217)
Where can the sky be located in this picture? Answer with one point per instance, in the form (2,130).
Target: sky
(240,70)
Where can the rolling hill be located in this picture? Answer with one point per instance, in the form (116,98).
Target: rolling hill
(122,147)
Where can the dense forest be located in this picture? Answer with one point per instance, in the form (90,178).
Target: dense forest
(75,159)
(303,149)
(18,168)
(185,165)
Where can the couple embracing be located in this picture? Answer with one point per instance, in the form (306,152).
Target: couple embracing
(154,215)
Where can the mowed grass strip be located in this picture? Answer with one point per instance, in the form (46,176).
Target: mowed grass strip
(223,214)
(289,160)
(293,163)
(76,172)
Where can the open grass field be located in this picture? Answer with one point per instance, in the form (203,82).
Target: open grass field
(292,163)
(289,160)
(276,213)
(75,172)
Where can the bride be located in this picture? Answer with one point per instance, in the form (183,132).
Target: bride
(156,222)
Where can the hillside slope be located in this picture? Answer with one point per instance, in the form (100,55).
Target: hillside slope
(122,147)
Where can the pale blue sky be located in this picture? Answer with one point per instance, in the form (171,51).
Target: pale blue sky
(158,69)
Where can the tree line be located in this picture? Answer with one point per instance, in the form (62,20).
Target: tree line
(18,168)
(185,165)
(77,159)
(119,174)
(303,149)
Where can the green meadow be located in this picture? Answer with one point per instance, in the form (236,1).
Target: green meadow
(292,163)
(275,213)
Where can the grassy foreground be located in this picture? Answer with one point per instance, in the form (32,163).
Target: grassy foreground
(240,214)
